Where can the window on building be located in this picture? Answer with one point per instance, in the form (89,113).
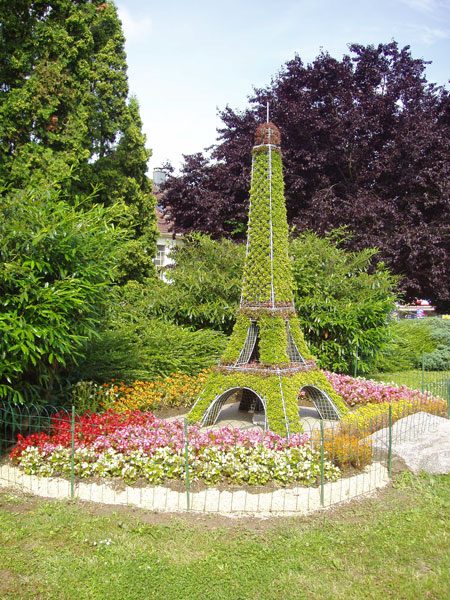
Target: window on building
(160,253)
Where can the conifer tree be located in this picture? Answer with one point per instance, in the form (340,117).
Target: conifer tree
(65,117)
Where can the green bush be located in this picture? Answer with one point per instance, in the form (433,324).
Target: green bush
(205,284)
(56,264)
(409,339)
(342,298)
(439,358)
(144,353)
(414,340)
(135,345)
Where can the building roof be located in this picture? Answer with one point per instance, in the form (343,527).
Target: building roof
(165,226)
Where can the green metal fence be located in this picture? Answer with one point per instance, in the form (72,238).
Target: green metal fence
(364,451)
(437,383)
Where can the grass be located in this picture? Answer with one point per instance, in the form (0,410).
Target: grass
(393,546)
(436,382)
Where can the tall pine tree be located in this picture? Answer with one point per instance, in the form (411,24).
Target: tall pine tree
(65,116)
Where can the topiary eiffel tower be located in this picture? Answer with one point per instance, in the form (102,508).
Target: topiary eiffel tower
(267,358)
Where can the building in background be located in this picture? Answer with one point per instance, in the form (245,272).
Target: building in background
(167,236)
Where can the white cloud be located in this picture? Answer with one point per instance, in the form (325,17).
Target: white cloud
(429,35)
(427,6)
(135,27)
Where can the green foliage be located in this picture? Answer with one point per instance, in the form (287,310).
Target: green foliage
(343,301)
(121,177)
(413,341)
(409,340)
(152,350)
(205,284)
(64,115)
(133,344)
(267,206)
(237,340)
(273,389)
(272,340)
(56,263)
(439,358)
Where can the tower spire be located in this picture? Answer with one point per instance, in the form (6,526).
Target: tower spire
(267,277)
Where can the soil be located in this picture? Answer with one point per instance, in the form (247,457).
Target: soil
(178,485)
(345,512)
(170,411)
(17,502)
(9,582)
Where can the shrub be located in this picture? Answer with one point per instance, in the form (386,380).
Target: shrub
(413,341)
(147,350)
(57,262)
(439,358)
(205,284)
(409,339)
(343,300)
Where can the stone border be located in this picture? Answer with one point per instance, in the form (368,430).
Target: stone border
(280,502)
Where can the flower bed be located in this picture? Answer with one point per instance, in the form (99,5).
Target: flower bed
(357,391)
(137,445)
(177,390)
(134,445)
(180,390)
(371,417)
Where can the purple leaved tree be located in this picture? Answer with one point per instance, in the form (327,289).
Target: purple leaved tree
(365,145)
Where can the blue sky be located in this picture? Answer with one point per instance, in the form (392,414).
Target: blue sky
(186,60)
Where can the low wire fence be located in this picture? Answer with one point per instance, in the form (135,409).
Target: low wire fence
(436,383)
(168,465)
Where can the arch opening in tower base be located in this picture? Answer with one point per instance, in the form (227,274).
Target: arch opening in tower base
(324,404)
(249,400)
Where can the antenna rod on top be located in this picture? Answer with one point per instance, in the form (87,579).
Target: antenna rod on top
(267,110)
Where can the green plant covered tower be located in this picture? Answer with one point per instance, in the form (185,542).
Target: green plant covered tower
(267,361)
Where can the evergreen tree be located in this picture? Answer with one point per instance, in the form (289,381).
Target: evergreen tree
(64,114)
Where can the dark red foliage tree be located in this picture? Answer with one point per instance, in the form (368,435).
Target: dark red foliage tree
(365,144)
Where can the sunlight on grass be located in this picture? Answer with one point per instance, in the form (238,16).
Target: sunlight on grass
(435,382)
(392,546)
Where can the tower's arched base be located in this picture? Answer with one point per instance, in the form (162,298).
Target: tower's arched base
(277,389)
(325,406)
(249,397)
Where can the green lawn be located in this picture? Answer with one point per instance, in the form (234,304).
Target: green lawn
(436,382)
(392,546)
